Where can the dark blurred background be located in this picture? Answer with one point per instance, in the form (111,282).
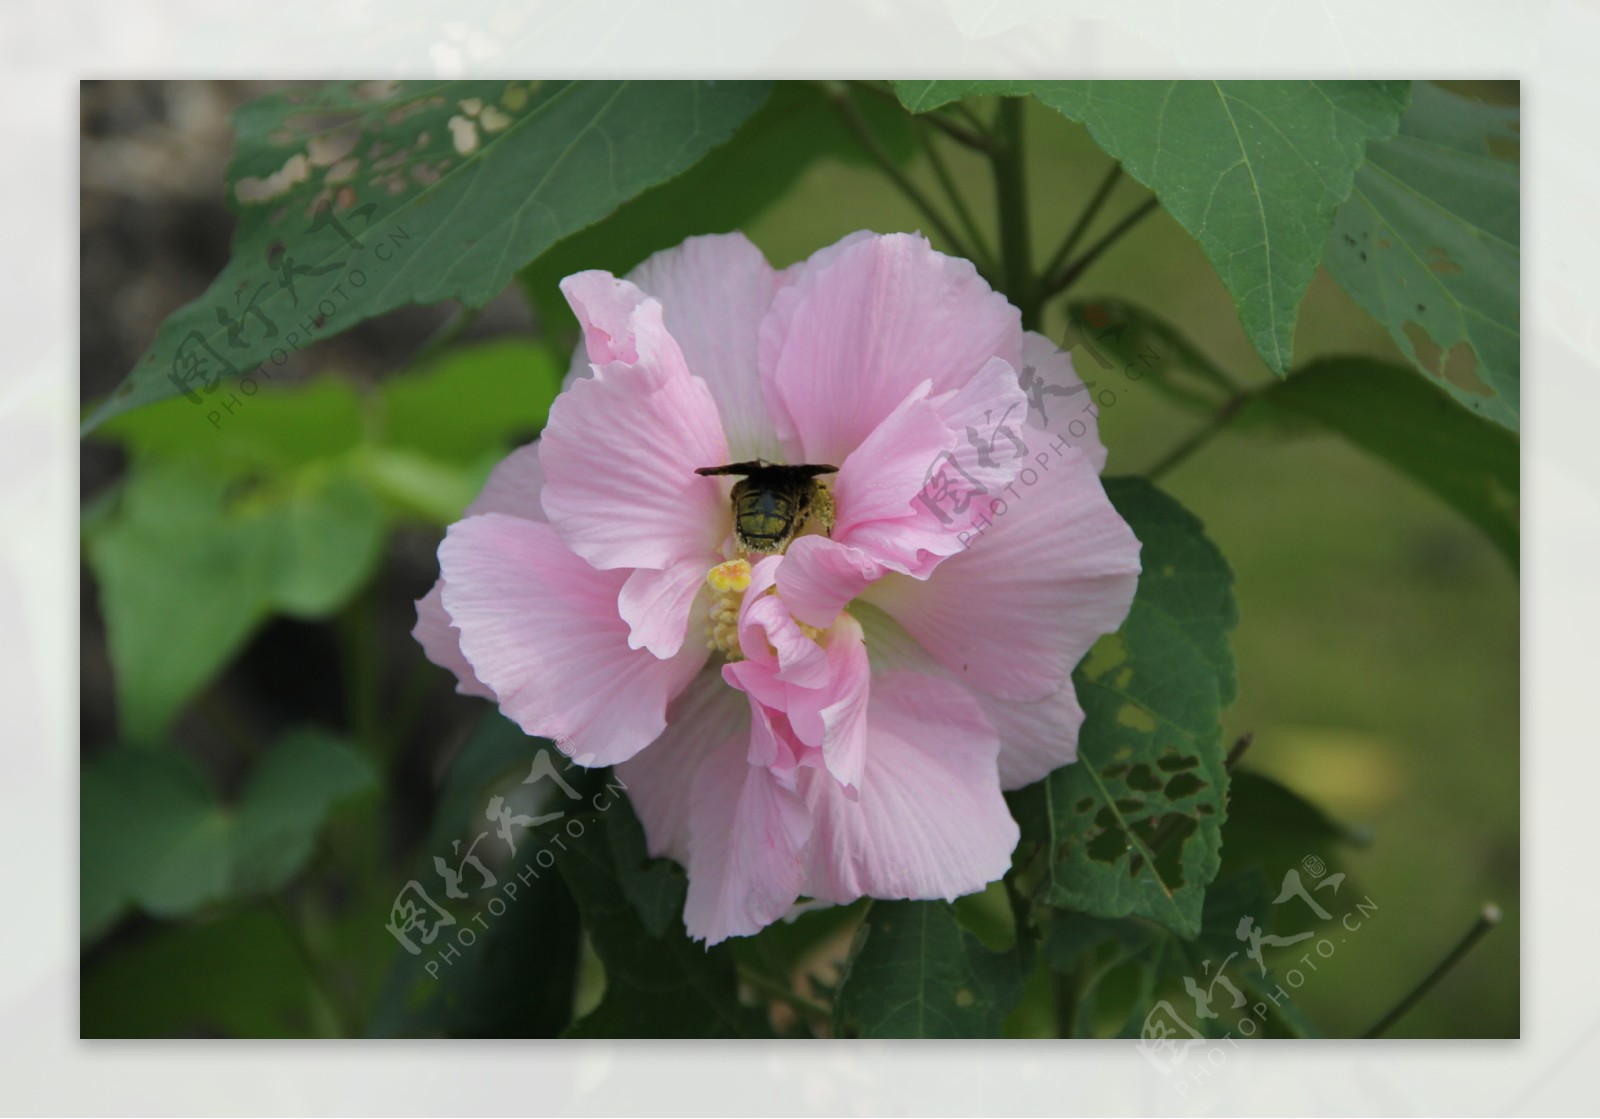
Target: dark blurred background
(1378,648)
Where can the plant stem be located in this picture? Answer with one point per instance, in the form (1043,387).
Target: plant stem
(857,124)
(1238,750)
(1078,267)
(1189,446)
(799,1002)
(1102,192)
(975,139)
(313,970)
(957,203)
(1488,919)
(1011,198)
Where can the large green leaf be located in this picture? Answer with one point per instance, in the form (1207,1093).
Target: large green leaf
(1429,243)
(356,198)
(915,972)
(1134,827)
(188,563)
(1254,170)
(152,833)
(1470,463)
(656,986)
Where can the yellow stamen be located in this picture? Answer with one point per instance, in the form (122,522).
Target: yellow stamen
(728,582)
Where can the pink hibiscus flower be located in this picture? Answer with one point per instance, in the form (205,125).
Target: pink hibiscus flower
(825,716)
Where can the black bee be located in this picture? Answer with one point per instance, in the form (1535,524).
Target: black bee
(771,503)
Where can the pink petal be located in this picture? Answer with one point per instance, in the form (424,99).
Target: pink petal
(605,306)
(540,627)
(441,642)
(620,454)
(746,833)
(706,715)
(658,605)
(1059,402)
(833,717)
(1017,610)
(930,821)
(1035,738)
(714,292)
(819,577)
(512,487)
(861,325)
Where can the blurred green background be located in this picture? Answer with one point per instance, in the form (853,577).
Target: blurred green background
(1378,647)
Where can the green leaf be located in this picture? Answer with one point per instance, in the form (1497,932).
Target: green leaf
(1469,462)
(1429,244)
(1102,951)
(239,976)
(181,587)
(518,976)
(152,833)
(189,563)
(488,395)
(1134,827)
(288,797)
(1254,170)
(793,130)
(656,986)
(1273,829)
(915,972)
(1115,337)
(356,198)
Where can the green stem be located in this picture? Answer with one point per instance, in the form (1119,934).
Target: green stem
(972,137)
(810,1007)
(1230,408)
(343,1025)
(857,124)
(985,261)
(1078,267)
(1102,192)
(1488,919)
(1011,197)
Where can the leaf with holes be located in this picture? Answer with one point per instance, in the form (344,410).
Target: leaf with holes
(1135,827)
(915,972)
(1253,170)
(356,198)
(1429,244)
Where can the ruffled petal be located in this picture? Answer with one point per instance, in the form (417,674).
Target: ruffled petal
(714,292)
(706,715)
(540,627)
(658,605)
(820,577)
(620,454)
(930,821)
(513,488)
(1015,612)
(861,325)
(1035,738)
(441,642)
(746,835)
(1060,404)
